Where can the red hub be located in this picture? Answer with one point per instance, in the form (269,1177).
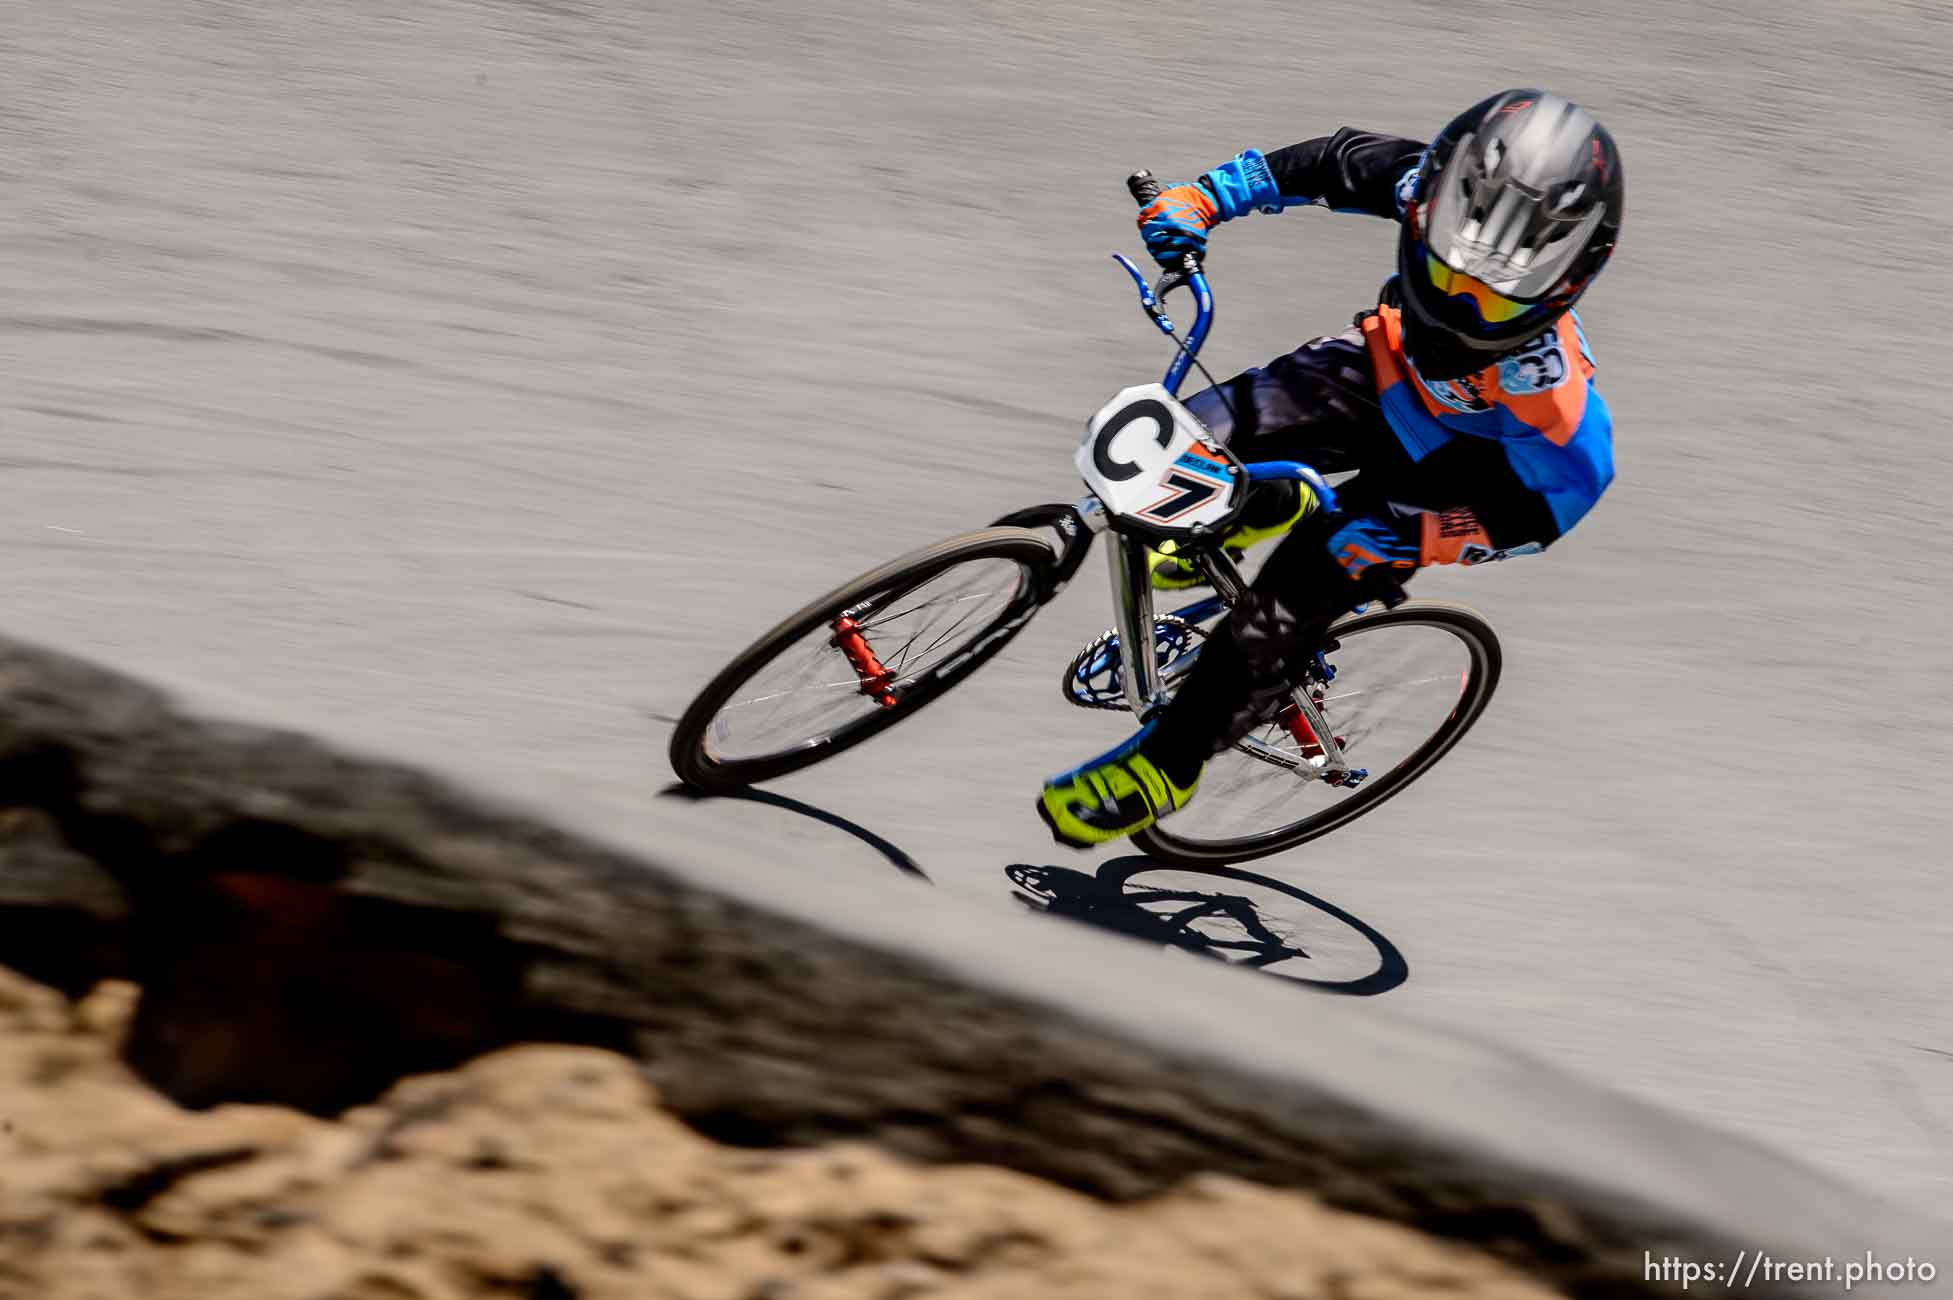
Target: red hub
(875,678)
(1293,722)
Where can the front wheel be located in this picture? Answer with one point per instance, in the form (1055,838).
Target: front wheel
(863,657)
(1408,684)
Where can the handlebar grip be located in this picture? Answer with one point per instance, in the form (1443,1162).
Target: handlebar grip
(1143,187)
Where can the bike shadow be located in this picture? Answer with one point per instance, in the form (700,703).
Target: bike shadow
(1169,908)
(890,852)
(1158,903)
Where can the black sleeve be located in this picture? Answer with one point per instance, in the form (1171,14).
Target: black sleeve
(1476,473)
(1350,171)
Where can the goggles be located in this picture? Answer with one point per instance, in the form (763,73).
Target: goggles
(1494,308)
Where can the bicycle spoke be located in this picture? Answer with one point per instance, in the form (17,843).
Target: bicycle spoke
(945,635)
(887,618)
(1397,684)
(812,690)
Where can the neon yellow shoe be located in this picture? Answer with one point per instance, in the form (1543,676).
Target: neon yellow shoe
(1110,797)
(1171,573)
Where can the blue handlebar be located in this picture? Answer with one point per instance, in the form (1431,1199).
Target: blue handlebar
(1294,471)
(1196,337)
(1195,279)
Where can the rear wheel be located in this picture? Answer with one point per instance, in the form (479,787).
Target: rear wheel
(862,657)
(1409,683)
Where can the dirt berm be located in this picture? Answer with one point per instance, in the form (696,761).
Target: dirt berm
(552,1172)
(794,1114)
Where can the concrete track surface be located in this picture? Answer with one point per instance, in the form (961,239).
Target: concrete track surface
(470,378)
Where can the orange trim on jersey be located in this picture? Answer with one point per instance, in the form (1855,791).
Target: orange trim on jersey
(1383,334)
(1447,533)
(1556,412)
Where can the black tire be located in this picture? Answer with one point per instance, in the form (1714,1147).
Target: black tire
(691,756)
(1486,662)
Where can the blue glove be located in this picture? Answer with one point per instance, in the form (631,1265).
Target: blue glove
(1243,184)
(1176,223)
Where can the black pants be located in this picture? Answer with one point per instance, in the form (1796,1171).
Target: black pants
(1319,405)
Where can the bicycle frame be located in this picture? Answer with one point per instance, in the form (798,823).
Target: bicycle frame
(1132,579)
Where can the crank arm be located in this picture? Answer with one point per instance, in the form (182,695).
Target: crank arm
(1333,758)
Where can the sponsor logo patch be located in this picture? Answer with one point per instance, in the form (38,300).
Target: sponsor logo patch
(1407,183)
(1473,553)
(1536,369)
(1458,394)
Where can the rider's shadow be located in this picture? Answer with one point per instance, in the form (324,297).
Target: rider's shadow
(890,852)
(1259,922)
(1293,934)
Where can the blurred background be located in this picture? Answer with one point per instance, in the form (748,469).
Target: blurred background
(468,379)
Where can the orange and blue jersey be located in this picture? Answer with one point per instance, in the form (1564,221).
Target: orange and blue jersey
(1527,440)
(1538,404)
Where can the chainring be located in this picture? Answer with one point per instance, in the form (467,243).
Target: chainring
(1095,678)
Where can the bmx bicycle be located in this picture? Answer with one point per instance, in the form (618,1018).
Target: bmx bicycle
(1393,689)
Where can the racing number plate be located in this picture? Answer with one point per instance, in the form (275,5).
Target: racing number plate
(1148,460)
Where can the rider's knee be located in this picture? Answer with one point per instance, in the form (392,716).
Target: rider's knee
(1210,407)
(1266,627)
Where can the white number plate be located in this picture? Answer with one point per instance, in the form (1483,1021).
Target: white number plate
(1148,459)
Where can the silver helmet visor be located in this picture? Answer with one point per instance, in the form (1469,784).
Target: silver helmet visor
(1501,231)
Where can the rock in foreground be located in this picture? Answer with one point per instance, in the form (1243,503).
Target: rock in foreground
(552,1173)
